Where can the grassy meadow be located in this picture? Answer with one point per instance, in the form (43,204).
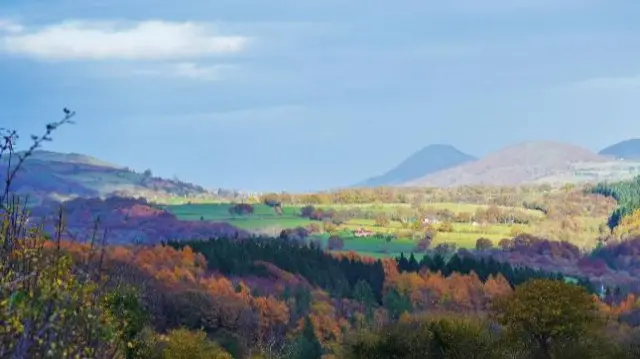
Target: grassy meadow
(266,220)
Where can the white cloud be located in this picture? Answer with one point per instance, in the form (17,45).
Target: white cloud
(609,83)
(188,70)
(147,40)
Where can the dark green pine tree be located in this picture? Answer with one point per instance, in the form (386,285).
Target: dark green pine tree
(403,263)
(413,264)
(307,345)
(362,292)
(396,304)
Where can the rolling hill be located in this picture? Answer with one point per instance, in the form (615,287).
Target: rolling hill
(629,149)
(533,162)
(430,159)
(60,176)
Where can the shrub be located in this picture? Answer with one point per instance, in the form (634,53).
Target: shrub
(483,244)
(445,249)
(241,209)
(185,344)
(445,227)
(424,244)
(335,243)
(505,244)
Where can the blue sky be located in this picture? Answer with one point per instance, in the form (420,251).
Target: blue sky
(309,94)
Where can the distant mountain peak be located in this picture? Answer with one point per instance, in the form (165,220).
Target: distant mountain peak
(627,149)
(512,165)
(430,159)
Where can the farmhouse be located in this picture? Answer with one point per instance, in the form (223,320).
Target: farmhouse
(430,220)
(361,232)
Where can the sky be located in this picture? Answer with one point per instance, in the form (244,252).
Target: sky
(302,95)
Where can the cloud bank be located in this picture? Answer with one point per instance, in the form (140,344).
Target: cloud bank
(113,40)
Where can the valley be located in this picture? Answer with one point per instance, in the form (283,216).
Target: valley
(227,271)
(319,179)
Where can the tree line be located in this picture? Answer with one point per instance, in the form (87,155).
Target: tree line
(626,193)
(484,268)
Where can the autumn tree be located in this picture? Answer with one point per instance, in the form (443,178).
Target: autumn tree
(49,306)
(548,312)
(505,244)
(185,344)
(483,244)
(330,227)
(381,220)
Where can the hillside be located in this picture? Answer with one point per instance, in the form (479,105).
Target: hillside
(430,159)
(129,221)
(61,176)
(522,163)
(629,149)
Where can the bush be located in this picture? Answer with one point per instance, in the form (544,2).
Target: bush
(445,227)
(307,211)
(335,243)
(241,209)
(505,244)
(425,338)
(445,249)
(185,344)
(330,227)
(483,244)
(381,220)
(424,244)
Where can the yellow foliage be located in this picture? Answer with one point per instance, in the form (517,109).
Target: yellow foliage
(185,344)
(629,225)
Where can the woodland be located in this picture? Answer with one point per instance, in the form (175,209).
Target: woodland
(245,295)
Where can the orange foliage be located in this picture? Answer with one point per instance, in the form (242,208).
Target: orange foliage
(326,323)
(389,264)
(623,307)
(351,255)
(272,312)
(428,290)
(177,269)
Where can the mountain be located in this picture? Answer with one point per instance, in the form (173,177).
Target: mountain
(430,159)
(629,149)
(58,176)
(532,162)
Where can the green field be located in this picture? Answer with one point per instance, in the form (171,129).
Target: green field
(264,218)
